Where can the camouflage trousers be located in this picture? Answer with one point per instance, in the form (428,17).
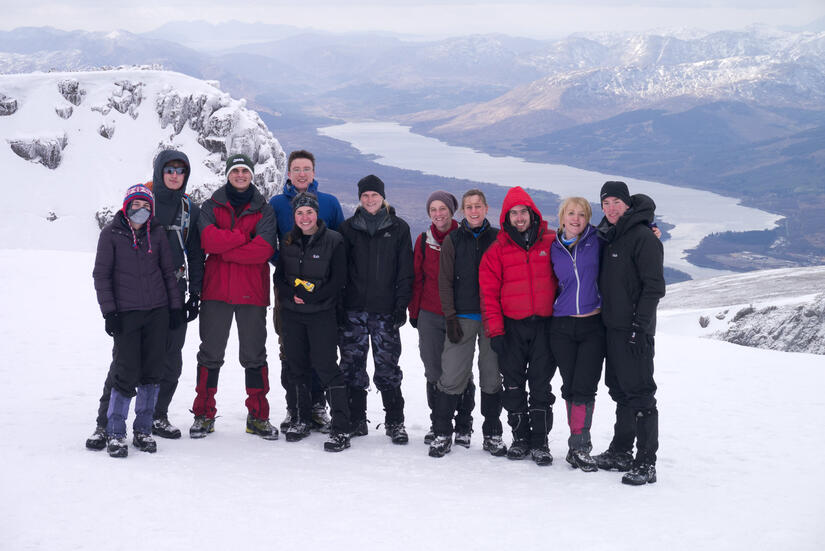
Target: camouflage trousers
(354,338)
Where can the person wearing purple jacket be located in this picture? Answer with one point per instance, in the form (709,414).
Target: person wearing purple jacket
(577,334)
(137,291)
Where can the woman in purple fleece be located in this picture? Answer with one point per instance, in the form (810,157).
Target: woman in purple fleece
(138,295)
(577,335)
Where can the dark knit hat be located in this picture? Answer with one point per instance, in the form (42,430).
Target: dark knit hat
(305,199)
(234,161)
(371,183)
(615,189)
(139,191)
(446,198)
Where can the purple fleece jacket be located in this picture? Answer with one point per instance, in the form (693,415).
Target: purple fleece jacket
(578,273)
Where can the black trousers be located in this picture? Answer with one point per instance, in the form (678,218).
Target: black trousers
(578,345)
(529,361)
(629,378)
(139,349)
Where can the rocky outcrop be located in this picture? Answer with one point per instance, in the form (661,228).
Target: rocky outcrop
(797,328)
(126,97)
(106,130)
(70,89)
(64,111)
(105,215)
(46,151)
(225,127)
(8,106)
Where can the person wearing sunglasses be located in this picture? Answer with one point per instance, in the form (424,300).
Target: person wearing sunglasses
(178,215)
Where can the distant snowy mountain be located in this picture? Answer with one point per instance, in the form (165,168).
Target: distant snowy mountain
(73,142)
(773,309)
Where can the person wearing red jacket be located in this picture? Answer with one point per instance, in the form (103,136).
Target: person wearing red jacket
(426,314)
(518,288)
(238,232)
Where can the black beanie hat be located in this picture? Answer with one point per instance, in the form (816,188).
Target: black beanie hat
(234,161)
(371,183)
(615,189)
(305,199)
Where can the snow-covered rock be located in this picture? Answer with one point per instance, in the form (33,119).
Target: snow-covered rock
(64,111)
(151,110)
(48,151)
(8,106)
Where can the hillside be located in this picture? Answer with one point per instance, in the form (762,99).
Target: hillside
(77,140)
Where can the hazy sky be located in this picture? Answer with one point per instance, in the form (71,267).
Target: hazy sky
(420,17)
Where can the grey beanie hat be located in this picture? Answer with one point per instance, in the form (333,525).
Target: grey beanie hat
(445,197)
(305,199)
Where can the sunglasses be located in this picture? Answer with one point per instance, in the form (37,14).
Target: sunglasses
(174,170)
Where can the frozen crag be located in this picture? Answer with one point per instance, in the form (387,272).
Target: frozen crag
(46,151)
(8,106)
(70,89)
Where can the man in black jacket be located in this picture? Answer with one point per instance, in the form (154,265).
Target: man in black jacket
(178,215)
(378,290)
(631,282)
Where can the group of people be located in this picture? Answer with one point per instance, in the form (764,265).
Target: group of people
(527,297)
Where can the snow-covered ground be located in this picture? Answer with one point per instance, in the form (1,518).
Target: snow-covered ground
(741,441)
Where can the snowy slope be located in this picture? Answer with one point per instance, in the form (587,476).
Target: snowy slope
(739,459)
(141,112)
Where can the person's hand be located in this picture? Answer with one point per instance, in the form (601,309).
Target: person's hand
(114,325)
(302,295)
(193,307)
(176,318)
(454,332)
(399,318)
(637,343)
(499,345)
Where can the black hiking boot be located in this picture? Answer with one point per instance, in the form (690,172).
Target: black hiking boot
(440,446)
(396,432)
(320,418)
(580,459)
(613,460)
(117,447)
(463,438)
(144,442)
(97,441)
(494,445)
(287,420)
(519,449)
(641,474)
(297,431)
(542,456)
(163,428)
(202,426)
(261,427)
(337,442)
(360,428)
(430,436)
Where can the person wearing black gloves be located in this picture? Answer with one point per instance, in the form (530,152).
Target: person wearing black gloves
(178,215)
(378,290)
(310,275)
(136,287)
(631,282)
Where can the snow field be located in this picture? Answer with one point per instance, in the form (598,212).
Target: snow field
(740,437)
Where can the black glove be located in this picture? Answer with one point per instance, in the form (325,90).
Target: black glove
(399,318)
(499,345)
(176,318)
(414,322)
(304,295)
(114,325)
(454,332)
(193,307)
(637,343)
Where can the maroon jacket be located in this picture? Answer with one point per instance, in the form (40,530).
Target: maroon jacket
(128,278)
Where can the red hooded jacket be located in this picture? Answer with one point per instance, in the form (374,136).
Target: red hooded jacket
(516,282)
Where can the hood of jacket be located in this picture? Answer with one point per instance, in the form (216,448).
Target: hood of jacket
(517,196)
(167,201)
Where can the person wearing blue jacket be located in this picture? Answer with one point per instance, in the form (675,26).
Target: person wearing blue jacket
(301,166)
(577,334)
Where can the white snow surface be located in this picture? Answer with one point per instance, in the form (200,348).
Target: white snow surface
(741,438)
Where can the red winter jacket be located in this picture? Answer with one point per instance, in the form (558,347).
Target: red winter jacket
(516,282)
(425,263)
(239,249)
